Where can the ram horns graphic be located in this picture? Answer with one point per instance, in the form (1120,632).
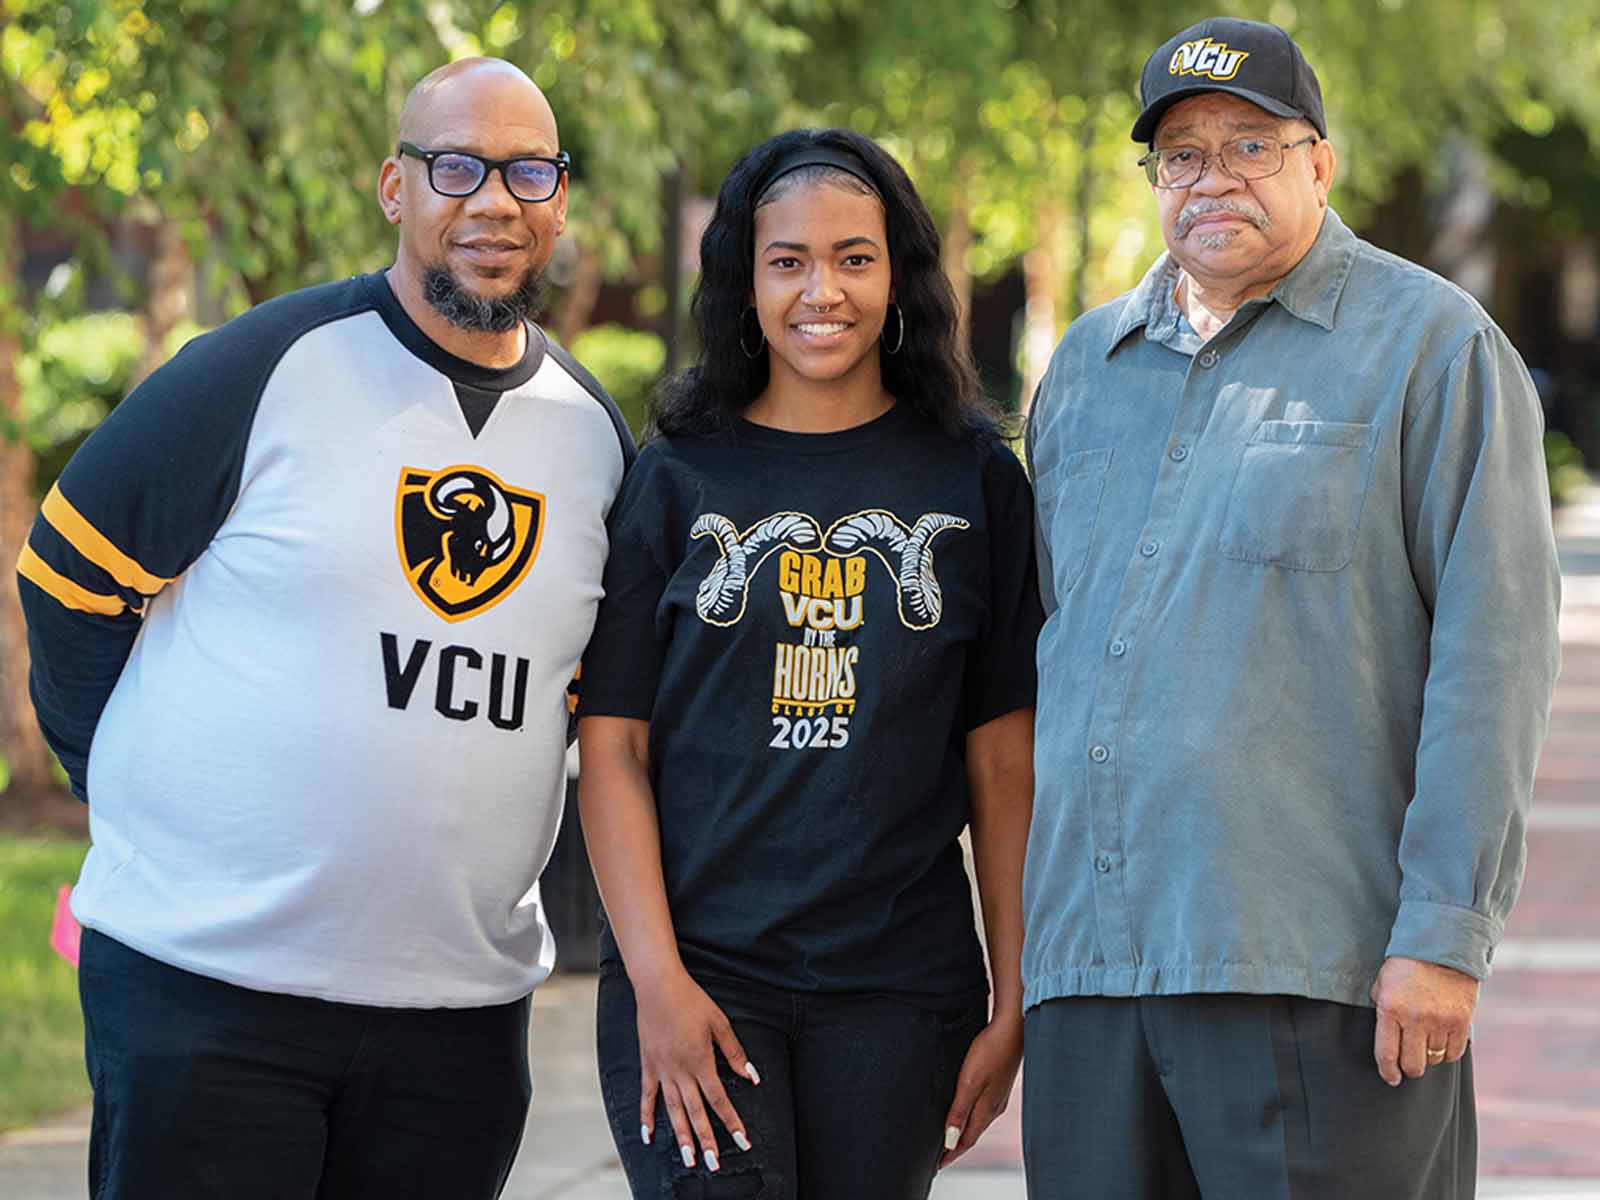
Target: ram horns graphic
(482,531)
(907,552)
(721,597)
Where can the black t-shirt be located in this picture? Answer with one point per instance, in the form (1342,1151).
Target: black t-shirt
(812,623)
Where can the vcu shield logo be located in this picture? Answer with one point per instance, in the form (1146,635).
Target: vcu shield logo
(466,538)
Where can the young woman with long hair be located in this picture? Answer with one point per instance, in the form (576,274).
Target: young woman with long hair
(812,668)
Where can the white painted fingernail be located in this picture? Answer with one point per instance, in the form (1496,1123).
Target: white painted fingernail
(750,1070)
(688,1155)
(711,1160)
(952,1135)
(740,1140)
(644,1134)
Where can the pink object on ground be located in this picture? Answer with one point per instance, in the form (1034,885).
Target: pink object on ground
(64,930)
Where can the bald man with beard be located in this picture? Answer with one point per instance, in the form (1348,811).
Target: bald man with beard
(303,613)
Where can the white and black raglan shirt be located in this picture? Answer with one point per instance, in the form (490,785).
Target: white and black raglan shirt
(303,613)
(812,624)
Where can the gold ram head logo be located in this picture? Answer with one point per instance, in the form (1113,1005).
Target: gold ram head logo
(466,538)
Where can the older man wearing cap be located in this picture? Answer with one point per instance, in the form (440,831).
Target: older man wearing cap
(1301,593)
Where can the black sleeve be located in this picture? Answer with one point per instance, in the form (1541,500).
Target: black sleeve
(1001,672)
(139,502)
(622,665)
(592,385)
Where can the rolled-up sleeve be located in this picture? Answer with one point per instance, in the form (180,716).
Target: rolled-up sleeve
(1477,519)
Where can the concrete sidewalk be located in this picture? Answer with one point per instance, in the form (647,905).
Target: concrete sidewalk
(1537,1047)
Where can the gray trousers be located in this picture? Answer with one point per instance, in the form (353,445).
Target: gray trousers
(1234,1097)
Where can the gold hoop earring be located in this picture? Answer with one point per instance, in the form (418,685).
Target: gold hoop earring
(900,330)
(761,334)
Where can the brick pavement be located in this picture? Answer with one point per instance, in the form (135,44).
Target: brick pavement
(1537,1040)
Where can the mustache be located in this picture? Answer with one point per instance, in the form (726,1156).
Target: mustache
(1201,208)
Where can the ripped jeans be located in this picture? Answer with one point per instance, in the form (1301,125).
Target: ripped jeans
(854,1091)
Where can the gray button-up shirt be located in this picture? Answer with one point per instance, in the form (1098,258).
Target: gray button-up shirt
(1301,595)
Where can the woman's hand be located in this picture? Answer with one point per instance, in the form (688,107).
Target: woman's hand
(984,1086)
(678,1023)
(680,1030)
(1000,776)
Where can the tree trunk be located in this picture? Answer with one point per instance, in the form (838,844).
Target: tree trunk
(583,292)
(169,296)
(1078,299)
(957,242)
(30,761)
(672,265)
(1041,276)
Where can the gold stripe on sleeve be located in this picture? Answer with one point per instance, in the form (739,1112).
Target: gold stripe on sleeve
(33,568)
(94,546)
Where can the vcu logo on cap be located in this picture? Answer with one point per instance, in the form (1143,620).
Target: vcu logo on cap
(466,538)
(1205,57)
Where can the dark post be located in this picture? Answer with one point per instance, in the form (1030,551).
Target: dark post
(671,266)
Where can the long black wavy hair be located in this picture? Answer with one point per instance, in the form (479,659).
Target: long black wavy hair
(932,371)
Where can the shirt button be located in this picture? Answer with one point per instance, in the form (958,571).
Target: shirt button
(1102,863)
(1099,754)
(1149,549)
(1179,453)
(1118,648)
(1208,358)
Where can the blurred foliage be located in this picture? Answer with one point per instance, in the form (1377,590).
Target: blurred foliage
(71,377)
(256,127)
(643,88)
(1014,106)
(1565,465)
(41,1027)
(179,336)
(1554,171)
(75,372)
(627,362)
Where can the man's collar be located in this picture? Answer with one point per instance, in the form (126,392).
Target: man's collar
(411,335)
(1145,303)
(1309,292)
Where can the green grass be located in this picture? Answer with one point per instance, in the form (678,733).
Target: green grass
(41,1027)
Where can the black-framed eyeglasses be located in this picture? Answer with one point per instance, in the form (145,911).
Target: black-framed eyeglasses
(1245,158)
(532,178)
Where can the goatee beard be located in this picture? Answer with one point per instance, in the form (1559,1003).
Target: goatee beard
(465,309)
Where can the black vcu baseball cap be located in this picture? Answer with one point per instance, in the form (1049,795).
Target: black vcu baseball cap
(1259,62)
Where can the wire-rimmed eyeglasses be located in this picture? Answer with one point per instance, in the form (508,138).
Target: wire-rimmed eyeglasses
(1245,158)
(532,178)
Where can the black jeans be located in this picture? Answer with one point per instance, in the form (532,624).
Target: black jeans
(854,1091)
(203,1089)
(1234,1097)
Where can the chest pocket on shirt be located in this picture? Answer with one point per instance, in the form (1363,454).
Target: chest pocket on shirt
(1069,508)
(1297,497)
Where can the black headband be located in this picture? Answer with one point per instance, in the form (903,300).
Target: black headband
(819,156)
